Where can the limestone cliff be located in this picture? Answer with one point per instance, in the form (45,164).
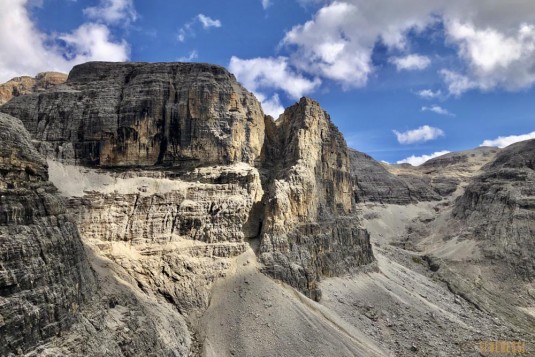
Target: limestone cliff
(140,114)
(183,192)
(372,182)
(44,272)
(498,208)
(174,235)
(25,85)
(183,116)
(310,228)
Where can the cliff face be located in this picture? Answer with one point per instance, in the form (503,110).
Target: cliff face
(139,114)
(372,182)
(26,85)
(171,171)
(44,272)
(181,116)
(498,208)
(310,229)
(174,234)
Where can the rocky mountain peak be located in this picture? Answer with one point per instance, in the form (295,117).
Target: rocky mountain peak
(25,85)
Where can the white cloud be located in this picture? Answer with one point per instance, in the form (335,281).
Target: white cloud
(410,62)
(422,134)
(495,58)
(429,94)
(266,4)
(271,73)
(190,57)
(188,30)
(495,40)
(91,41)
(418,160)
(271,106)
(30,51)
(503,141)
(438,110)
(457,83)
(208,22)
(113,11)
(321,47)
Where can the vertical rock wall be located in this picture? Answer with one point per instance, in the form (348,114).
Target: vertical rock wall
(130,114)
(179,117)
(44,273)
(310,226)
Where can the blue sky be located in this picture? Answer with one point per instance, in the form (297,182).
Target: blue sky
(402,80)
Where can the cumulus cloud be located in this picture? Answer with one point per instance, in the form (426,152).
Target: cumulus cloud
(91,41)
(31,51)
(503,141)
(112,11)
(418,160)
(410,62)
(438,110)
(268,74)
(429,94)
(495,58)
(495,40)
(188,30)
(271,105)
(321,46)
(421,134)
(266,4)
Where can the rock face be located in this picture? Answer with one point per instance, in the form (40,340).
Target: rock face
(498,208)
(374,183)
(25,85)
(183,116)
(140,114)
(174,235)
(44,272)
(443,176)
(171,170)
(310,229)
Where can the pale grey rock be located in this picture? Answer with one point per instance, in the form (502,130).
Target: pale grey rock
(174,236)
(19,86)
(374,183)
(498,208)
(44,273)
(310,228)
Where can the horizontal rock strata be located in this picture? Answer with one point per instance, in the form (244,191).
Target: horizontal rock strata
(140,114)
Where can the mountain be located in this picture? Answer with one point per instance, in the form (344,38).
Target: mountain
(198,226)
(25,85)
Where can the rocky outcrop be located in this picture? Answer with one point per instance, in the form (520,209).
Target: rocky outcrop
(173,235)
(372,182)
(498,208)
(140,114)
(44,273)
(26,85)
(189,170)
(310,228)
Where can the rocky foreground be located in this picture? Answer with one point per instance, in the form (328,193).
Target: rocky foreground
(153,209)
